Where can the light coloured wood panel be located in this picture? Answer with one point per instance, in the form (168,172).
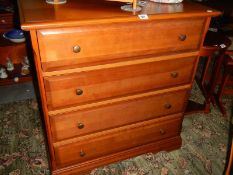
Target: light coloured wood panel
(118,100)
(97,119)
(110,141)
(42,101)
(115,82)
(139,60)
(38,14)
(167,144)
(109,35)
(104,43)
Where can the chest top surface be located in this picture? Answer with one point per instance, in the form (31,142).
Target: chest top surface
(38,14)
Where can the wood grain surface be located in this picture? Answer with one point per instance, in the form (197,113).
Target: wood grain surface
(113,85)
(115,140)
(115,82)
(113,41)
(97,119)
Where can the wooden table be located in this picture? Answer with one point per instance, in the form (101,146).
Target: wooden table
(219,43)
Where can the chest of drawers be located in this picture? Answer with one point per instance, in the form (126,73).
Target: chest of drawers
(112,85)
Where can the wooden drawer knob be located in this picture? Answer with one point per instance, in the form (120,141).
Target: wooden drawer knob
(76,49)
(82,153)
(162,132)
(174,74)
(167,106)
(182,37)
(79,91)
(81,125)
(3,21)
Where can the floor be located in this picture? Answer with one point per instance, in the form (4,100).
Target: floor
(16,92)
(23,146)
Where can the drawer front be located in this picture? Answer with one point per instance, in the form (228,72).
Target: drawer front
(93,120)
(119,139)
(6,21)
(105,43)
(90,86)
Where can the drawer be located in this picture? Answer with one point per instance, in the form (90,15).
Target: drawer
(103,143)
(93,120)
(6,21)
(92,45)
(95,85)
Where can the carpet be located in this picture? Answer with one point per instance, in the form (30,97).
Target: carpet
(203,151)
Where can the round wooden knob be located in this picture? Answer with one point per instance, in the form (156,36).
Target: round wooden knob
(182,37)
(168,106)
(79,91)
(81,125)
(76,49)
(3,21)
(82,153)
(162,132)
(174,74)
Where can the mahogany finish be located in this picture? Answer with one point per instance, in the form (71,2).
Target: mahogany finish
(38,14)
(14,51)
(214,48)
(6,21)
(227,80)
(112,86)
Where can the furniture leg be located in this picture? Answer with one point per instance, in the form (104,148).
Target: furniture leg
(203,78)
(230,161)
(220,93)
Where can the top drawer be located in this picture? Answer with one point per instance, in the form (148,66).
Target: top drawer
(90,45)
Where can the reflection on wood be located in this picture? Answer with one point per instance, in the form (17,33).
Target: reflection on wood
(132,1)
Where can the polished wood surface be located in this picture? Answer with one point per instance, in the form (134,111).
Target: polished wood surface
(226,80)
(88,121)
(192,106)
(6,21)
(61,91)
(107,77)
(43,100)
(167,144)
(100,144)
(213,50)
(120,41)
(118,100)
(38,14)
(11,50)
(118,63)
(230,161)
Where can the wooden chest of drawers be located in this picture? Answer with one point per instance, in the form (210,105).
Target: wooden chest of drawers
(112,85)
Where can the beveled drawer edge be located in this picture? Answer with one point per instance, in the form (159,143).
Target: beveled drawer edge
(167,144)
(119,64)
(120,99)
(27,26)
(119,129)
